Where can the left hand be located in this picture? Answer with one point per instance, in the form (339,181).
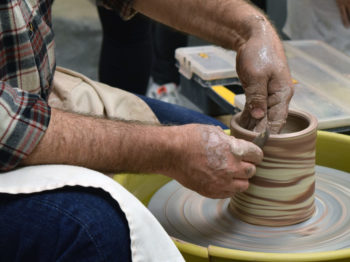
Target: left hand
(344,9)
(263,70)
(210,162)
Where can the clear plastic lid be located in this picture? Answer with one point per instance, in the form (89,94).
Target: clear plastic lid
(324,54)
(208,65)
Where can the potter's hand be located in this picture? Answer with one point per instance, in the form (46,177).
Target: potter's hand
(344,9)
(214,164)
(263,70)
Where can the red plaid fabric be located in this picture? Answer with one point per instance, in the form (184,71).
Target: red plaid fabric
(27,65)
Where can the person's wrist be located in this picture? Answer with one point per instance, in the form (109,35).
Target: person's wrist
(253,25)
(171,149)
(255,29)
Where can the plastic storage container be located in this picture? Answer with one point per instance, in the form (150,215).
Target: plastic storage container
(204,70)
(321,72)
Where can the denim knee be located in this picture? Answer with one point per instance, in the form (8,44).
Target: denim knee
(68,224)
(178,115)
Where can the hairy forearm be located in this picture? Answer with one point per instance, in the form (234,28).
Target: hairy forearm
(105,145)
(202,158)
(228,23)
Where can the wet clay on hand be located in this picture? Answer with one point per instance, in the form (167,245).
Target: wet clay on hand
(282,191)
(263,71)
(214,164)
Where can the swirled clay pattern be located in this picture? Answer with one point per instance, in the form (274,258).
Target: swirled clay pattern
(193,218)
(282,190)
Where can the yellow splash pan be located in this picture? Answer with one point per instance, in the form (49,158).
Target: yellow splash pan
(332,150)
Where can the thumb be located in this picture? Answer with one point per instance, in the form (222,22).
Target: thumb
(256,100)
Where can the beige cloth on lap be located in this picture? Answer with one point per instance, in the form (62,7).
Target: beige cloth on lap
(76,93)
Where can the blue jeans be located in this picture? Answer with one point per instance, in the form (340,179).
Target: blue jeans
(178,115)
(68,224)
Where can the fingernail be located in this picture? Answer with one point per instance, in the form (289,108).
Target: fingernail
(249,171)
(258,113)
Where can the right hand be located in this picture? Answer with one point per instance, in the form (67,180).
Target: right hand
(263,70)
(214,164)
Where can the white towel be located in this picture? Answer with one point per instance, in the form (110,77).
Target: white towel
(149,241)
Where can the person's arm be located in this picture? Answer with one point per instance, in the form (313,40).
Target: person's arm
(237,25)
(200,157)
(24,117)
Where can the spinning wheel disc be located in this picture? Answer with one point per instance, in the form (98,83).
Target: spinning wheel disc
(193,218)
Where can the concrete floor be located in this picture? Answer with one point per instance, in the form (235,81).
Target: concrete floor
(78,35)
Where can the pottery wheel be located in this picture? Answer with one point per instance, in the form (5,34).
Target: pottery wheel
(190,217)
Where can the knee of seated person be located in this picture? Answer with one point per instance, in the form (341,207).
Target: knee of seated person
(69,224)
(101,218)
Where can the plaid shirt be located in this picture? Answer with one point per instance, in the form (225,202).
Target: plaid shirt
(27,65)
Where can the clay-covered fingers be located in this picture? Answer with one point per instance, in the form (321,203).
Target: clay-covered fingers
(344,10)
(231,188)
(246,151)
(261,125)
(280,94)
(272,112)
(256,104)
(256,98)
(246,120)
(246,156)
(243,170)
(263,71)
(236,186)
(214,164)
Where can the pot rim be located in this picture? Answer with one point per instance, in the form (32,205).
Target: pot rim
(312,126)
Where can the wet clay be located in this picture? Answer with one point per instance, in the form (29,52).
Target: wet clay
(282,191)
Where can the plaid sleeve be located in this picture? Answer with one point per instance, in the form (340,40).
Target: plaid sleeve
(123,7)
(24,119)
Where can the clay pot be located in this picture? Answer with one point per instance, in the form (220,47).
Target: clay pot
(282,191)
